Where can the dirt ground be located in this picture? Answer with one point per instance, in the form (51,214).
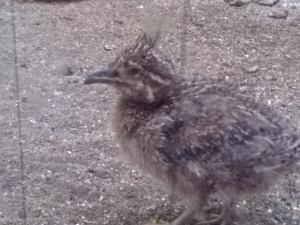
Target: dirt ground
(73,171)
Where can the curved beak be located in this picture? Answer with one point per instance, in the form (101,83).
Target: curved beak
(98,77)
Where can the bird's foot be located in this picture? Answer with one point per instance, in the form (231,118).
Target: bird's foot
(216,220)
(158,223)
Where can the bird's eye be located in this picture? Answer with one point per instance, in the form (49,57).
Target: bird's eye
(133,71)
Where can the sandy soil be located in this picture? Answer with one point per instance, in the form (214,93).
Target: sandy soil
(74,172)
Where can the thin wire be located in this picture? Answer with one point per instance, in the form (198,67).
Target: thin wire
(186,9)
(14,36)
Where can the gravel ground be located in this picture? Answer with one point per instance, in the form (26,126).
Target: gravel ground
(73,172)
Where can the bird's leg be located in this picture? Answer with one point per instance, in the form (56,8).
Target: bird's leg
(186,215)
(223,219)
(191,209)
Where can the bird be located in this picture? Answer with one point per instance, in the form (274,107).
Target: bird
(198,136)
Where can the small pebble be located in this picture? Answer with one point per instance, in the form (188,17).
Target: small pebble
(253,69)
(119,22)
(269,77)
(21,214)
(237,3)
(24,99)
(266,2)
(109,47)
(270,211)
(23,65)
(278,14)
(91,170)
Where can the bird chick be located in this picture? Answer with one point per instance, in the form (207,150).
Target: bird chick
(197,136)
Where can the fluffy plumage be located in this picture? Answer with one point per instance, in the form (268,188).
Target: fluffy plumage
(197,136)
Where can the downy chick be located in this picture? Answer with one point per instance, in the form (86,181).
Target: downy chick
(196,136)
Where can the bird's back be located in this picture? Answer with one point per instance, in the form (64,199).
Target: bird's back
(243,145)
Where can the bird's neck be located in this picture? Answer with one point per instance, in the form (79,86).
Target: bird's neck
(128,116)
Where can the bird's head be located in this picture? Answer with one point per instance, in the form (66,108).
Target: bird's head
(141,74)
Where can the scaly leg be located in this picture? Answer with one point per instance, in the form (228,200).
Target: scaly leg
(192,208)
(223,219)
(186,215)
